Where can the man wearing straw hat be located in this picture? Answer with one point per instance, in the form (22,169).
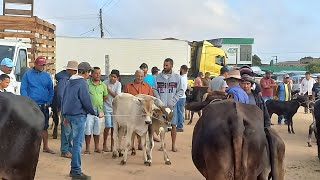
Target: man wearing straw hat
(66,135)
(233,80)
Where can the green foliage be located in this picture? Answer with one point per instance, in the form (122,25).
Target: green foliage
(256,61)
(313,67)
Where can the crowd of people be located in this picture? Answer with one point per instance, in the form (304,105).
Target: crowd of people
(85,101)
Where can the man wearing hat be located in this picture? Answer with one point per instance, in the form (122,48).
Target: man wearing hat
(37,85)
(247,70)
(284,93)
(6,68)
(233,80)
(267,86)
(254,97)
(147,77)
(155,71)
(76,104)
(62,78)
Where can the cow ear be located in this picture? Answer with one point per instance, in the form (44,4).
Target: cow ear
(138,100)
(230,96)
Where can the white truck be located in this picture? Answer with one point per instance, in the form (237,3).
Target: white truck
(126,55)
(17,51)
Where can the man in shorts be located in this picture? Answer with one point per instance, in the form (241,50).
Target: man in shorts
(98,94)
(114,88)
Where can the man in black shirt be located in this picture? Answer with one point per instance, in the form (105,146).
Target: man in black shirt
(316,89)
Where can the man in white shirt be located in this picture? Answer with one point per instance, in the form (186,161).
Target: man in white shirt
(306,88)
(180,104)
(6,68)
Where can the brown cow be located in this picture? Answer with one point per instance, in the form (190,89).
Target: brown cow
(21,124)
(229,142)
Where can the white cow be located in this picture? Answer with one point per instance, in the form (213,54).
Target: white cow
(131,115)
(160,119)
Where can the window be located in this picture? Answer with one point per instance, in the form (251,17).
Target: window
(220,60)
(6,52)
(245,52)
(21,64)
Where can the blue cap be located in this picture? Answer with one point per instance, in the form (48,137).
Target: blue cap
(7,62)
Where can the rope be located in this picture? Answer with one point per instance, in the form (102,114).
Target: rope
(137,116)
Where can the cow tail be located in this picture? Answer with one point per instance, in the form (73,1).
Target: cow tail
(237,134)
(271,153)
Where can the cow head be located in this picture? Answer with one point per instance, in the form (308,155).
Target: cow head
(197,106)
(164,115)
(146,109)
(301,100)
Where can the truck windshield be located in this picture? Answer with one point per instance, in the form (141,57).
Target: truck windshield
(6,52)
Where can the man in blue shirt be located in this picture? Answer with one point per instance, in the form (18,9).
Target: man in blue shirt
(37,85)
(233,80)
(148,78)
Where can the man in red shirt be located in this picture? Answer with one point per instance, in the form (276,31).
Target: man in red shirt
(267,86)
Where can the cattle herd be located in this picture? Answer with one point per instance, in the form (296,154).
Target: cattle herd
(229,140)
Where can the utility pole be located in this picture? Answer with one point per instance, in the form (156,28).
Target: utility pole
(101,25)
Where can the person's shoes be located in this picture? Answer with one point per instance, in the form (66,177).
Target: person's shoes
(80,176)
(179,130)
(66,155)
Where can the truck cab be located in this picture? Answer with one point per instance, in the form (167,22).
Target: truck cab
(205,57)
(17,51)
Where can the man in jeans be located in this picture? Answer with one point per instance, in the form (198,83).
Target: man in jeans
(182,100)
(76,104)
(37,85)
(66,135)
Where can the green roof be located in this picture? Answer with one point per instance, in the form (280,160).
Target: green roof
(281,68)
(237,40)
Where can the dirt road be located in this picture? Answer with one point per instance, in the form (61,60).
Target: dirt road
(301,161)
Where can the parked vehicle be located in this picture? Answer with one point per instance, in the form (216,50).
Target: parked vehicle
(297,79)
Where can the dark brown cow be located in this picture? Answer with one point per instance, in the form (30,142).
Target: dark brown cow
(21,123)
(229,142)
(317,120)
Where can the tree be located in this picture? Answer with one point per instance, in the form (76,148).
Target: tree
(313,67)
(256,61)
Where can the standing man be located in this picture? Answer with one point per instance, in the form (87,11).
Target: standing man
(306,89)
(76,104)
(6,68)
(182,100)
(233,80)
(168,89)
(316,89)
(206,80)
(198,80)
(218,83)
(147,77)
(267,86)
(4,82)
(284,93)
(114,88)
(138,86)
(37,85)
(66,135)
(98,93)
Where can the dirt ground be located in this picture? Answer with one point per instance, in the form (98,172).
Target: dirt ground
(301,161)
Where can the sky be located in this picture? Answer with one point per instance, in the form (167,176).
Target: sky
(284,28)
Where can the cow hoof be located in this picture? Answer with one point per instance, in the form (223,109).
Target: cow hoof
(289,132)
(161,149)
(123,163)
(168,163)
(189,123)
(293,132)
(133,153)
(120,154)
(147,163)
(114,156)
(309,145)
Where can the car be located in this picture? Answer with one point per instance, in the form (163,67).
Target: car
(296,80)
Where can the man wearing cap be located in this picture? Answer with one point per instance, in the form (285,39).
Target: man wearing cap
(267,86)
(218,83)
(76,104)
(233,80)
(62,79)
(147,77)
(254,97)
(247,70)
(6,68)
(284,93)
(316,89)
(37,85)
(155,71)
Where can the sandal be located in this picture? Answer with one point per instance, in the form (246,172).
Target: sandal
(48,151)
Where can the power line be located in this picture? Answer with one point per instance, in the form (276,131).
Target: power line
(114,4)
(72,17)
(91,30)
(111,34)
(106,4)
